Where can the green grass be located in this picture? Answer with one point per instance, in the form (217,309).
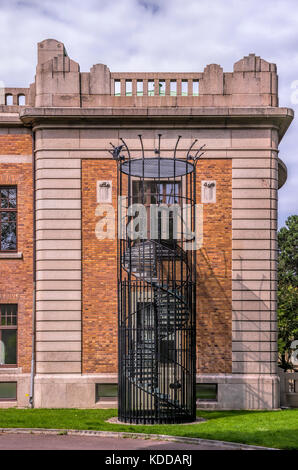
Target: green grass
(264,428)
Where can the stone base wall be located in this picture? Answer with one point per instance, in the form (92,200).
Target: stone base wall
(241,392)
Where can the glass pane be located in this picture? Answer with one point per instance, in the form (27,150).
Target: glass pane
(8,231)
(12,198)
(172,193)
(4,198)
(8,390)
(8,314)
(8,347)
(206,391)
(106,391)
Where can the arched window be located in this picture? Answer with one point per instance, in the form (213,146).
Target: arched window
(8,100)
(21,100)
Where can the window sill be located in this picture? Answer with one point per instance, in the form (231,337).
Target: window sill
(11,255)
(10,370)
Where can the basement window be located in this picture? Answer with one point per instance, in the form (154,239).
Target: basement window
(8,391)
(106,392)
(206,392)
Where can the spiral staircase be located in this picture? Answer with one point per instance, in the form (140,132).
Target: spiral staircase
(155,363)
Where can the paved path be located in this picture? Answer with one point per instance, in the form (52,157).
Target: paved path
(54,442)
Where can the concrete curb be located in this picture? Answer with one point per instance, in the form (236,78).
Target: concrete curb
(134,435)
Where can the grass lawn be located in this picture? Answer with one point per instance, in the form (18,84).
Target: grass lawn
(265,428)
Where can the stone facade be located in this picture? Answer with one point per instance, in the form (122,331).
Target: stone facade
(72,117)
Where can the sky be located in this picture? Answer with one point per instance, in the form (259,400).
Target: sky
(165,36)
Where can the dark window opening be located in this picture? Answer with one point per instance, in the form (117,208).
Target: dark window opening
(8,390)
(146,336)
(206,392)
(150,192)
(8,334)
(104,391)
(8,218)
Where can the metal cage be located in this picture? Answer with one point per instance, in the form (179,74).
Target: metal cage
(156,287)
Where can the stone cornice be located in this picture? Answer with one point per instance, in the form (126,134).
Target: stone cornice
(279,118)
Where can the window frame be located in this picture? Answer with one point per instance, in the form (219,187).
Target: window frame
(206,385)
(106,398)
(10,399)
(12,186)
(10,327)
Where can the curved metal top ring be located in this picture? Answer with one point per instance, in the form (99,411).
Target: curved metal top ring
(156,167)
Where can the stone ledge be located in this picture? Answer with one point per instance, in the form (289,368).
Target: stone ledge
(11,255)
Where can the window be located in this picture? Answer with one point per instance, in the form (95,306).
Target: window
(150,192)
(8,218)
(8,391)
(162,87)
(195,87)
(150,87)
(8,334)
(21,100)
(173,88)
(8,100)
(184,88)
(117,88)
(106,391)
(128,88)
(140,88)
(206,392)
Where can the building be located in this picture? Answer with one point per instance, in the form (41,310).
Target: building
(58,288)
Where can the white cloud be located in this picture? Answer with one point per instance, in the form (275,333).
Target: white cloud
(157,35)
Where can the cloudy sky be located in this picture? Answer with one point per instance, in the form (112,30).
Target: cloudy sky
(161,35)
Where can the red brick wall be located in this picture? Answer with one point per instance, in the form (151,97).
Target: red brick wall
(15,144)
(214,317)
(214,265)
(16,277)
(99,266)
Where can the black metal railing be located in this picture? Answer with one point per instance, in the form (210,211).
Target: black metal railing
(156,296)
